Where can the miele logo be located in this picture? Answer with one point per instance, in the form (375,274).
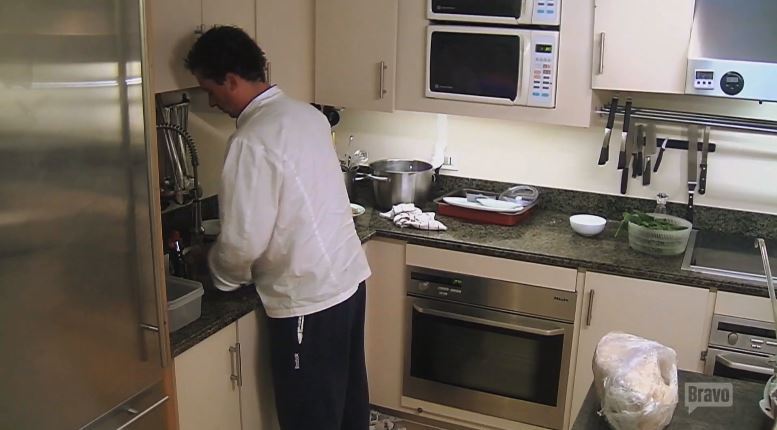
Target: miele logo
(560,299)
(440,7)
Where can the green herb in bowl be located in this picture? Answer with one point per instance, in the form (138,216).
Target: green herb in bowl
(648,221)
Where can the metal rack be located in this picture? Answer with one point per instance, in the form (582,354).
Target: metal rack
(719,122)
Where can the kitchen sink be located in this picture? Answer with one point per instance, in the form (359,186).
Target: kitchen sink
(727,256)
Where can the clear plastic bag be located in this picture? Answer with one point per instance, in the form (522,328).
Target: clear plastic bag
(636,380)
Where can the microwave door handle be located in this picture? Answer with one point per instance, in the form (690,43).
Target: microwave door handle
(483,321)
(736,365)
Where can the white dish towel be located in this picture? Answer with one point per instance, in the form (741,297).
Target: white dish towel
(407,215)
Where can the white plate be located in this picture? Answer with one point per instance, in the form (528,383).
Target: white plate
(500,204)
(356,210)
(462,202)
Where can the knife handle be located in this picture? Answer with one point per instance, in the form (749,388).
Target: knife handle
(640,166)
(611,115)
(703,178)
(646,172)
(658,160)
(624,179)
(634,167)
(689,213)
(627,115)
(604,156)
(622,159)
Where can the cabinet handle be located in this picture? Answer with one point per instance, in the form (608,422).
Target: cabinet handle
(590,308)
(268,72)
(234,358)
(382,90)
(239,365)
(601,52)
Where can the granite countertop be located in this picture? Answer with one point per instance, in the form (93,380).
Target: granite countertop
(544,238)
(744,412)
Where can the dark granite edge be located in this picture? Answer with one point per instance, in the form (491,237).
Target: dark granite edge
(691,279)
(219,310)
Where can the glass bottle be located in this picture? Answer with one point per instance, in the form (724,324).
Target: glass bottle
(661,199)
(177,263)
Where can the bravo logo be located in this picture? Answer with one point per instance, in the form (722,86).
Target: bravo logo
(709,395)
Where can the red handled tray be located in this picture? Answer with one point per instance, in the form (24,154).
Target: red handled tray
(482,217)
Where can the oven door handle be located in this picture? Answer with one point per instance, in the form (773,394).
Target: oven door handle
(736,365)
(484,321)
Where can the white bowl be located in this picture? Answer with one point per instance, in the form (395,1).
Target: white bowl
(587,225)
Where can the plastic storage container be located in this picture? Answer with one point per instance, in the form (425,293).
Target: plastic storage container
(660,242)
(184,301)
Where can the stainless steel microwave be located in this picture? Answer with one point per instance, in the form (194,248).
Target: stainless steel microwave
(510,12)
(508,66)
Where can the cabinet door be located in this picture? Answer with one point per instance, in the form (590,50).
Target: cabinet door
(173,27)
(284,30)
(642,45)
(240,13)
(356,43)
(673,315)
(385,321)
(257,403)
(207,398)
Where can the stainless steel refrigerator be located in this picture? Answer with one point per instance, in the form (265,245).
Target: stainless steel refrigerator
(81,304)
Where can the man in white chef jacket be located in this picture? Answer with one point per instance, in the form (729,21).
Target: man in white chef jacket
(286,227)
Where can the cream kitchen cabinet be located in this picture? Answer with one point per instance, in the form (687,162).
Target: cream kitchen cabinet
(284,30)
(385,321)
(224,382)
(355,52)
(174,27)
(674,315)
(641,45)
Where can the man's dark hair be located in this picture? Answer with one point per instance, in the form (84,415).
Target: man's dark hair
(225,49)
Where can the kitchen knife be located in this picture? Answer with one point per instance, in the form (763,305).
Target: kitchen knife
(625,172)
(604,155)
(660,155)
(705,147)
(693,147)
(650,151)
(640,147)
(624,134)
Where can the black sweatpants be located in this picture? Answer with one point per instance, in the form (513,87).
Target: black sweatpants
(318,367)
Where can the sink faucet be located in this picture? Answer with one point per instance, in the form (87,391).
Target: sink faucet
(198,231)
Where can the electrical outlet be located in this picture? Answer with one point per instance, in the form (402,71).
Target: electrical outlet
(448,164)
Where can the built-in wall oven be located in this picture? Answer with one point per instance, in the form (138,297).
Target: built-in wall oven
(740,348)
(488,346)
(471,58)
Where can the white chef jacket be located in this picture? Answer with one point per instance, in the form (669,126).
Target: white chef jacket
(286,223)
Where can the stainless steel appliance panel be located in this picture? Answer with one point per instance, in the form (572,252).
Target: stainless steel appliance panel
(494,347)
(732,51)
(740,348)
(79,305)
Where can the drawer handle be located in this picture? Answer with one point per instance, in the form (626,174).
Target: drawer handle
(590,308)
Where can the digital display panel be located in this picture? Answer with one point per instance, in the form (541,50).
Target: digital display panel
(544,49)
(706,75)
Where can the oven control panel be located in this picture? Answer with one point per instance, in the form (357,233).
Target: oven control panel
(492,293)
(743,334)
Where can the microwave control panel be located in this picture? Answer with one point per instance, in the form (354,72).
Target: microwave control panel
(544,69)
(546,12)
